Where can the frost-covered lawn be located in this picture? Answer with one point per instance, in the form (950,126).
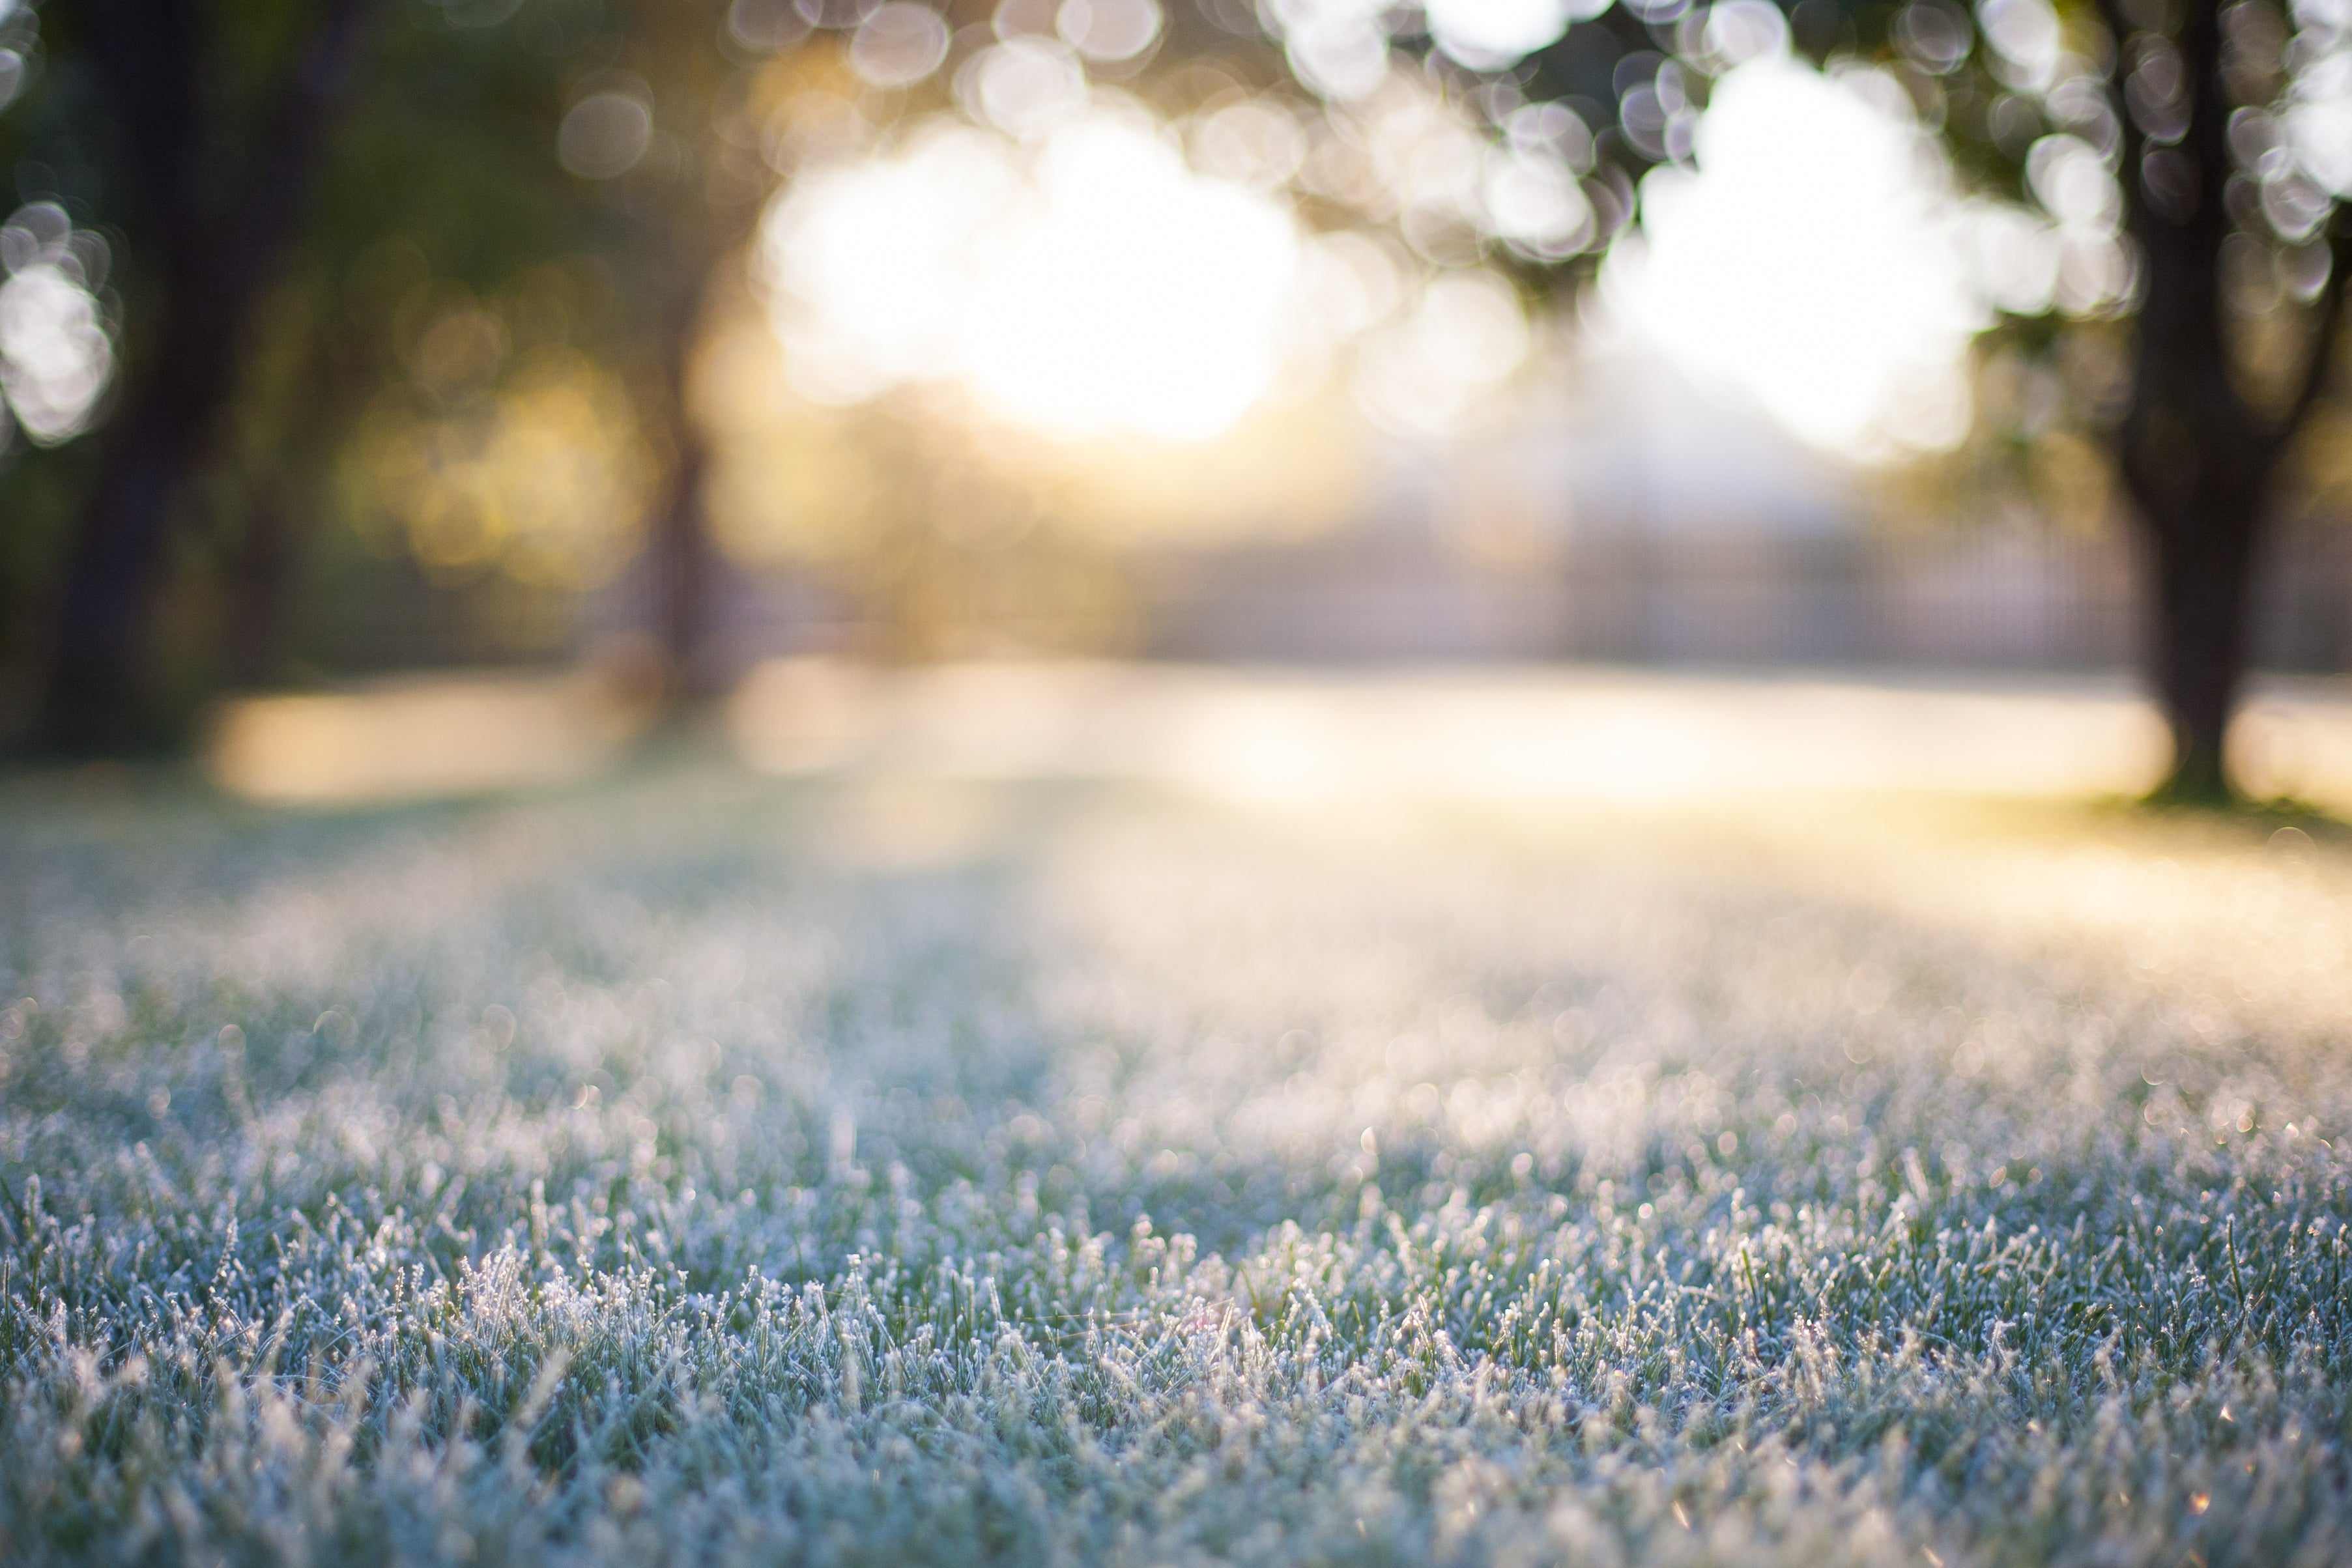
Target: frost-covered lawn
(696,1167)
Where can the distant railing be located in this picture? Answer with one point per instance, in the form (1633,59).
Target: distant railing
(2005,598)
(1993,598)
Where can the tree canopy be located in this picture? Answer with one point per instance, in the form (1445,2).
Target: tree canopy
(320,257)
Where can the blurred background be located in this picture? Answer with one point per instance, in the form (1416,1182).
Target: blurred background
(608,356)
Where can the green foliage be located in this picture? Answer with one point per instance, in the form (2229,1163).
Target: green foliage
(440,185)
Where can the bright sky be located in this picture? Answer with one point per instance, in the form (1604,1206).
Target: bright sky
(1810,262)
(1085,283)
(1072,273)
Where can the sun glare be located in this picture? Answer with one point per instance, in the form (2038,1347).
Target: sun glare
(1811,261)
(1085,282)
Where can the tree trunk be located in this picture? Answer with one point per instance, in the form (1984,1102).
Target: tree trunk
(2195,456)
(95,699)
(683,568)
(680,545)
(2200,570)
(214,266)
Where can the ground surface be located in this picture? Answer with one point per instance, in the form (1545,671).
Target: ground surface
(888,1167)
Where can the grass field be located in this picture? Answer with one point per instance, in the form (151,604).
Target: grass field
(888,1168)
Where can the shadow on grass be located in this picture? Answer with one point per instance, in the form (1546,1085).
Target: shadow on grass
(2268,818)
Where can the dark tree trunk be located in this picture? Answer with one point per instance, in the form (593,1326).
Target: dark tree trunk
(95,699)
(215,265)
(2197,458)
(2198,464)
(2199,566)
(679,548)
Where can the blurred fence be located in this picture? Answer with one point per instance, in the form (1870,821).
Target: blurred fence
(1998,599)
(1989,599)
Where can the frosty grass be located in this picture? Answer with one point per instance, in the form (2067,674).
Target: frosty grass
(699,1170)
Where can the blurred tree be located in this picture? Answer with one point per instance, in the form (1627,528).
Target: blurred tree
(679,212)
(626,149)
(2219,131)
(217,126)
(503,183)
(2199,454)
(441,246)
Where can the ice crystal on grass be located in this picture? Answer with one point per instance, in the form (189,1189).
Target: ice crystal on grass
(651,1175)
